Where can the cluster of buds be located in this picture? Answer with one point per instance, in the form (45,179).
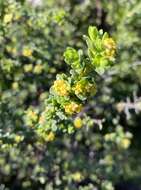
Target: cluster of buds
(78,122)
(27,52)
(61,87)
(72,108)
(85,88)
(31,117)
(110,48)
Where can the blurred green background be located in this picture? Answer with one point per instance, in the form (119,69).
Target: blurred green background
(33,36)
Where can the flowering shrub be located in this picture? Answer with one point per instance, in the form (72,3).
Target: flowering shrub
(69,118)
(68,94)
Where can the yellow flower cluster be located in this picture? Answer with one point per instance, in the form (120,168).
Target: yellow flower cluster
(42,119)
(50,137)
(72,108)
(45,136)
(28,68)
(110,46)
(27,52)
(125,143)
(38,69)
(8,18)
(61,87)
(11,50)
(15,85)
(18,138)
(122,142)
(77,176)
(31,117)
(78,123)
(84,88)
(78,89)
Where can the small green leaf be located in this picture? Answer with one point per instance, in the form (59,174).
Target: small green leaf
(93,32)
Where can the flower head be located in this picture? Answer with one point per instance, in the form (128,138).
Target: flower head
(27,52)
(50,137)
(61,87)
(38,69)
(77,176)
(78,123)
(125,143)
(31,117)
(72,108)
(8,18)
(28,68)
(84,88)
(110,46)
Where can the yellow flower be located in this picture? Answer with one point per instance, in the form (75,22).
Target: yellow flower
(78,123)
(110,46)
(61,87)
(27,52)
(110,53)
(15,85)
(28,68)
(50,136)
(72,108)
(14,51)
(42,119)
(32,115)
(77,176)
(125,143)
(84,88)
(17,16)
(109,43)
(8,18)
(18,138)
(78,89)
(38,69)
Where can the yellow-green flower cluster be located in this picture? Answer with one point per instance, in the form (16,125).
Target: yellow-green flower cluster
(110,46)
(50,136)
(27,52)
(121,138)
(31,117)
(28,68)
(72,108)
(46,136)
(84,88)
(78,123)
(101,49)
(8,18)
(77,176)
(61,87)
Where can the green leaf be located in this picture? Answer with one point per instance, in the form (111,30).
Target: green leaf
(93,32)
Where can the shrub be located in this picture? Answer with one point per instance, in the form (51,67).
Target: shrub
(45,96)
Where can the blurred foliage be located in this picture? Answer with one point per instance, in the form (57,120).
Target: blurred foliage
(33,37)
